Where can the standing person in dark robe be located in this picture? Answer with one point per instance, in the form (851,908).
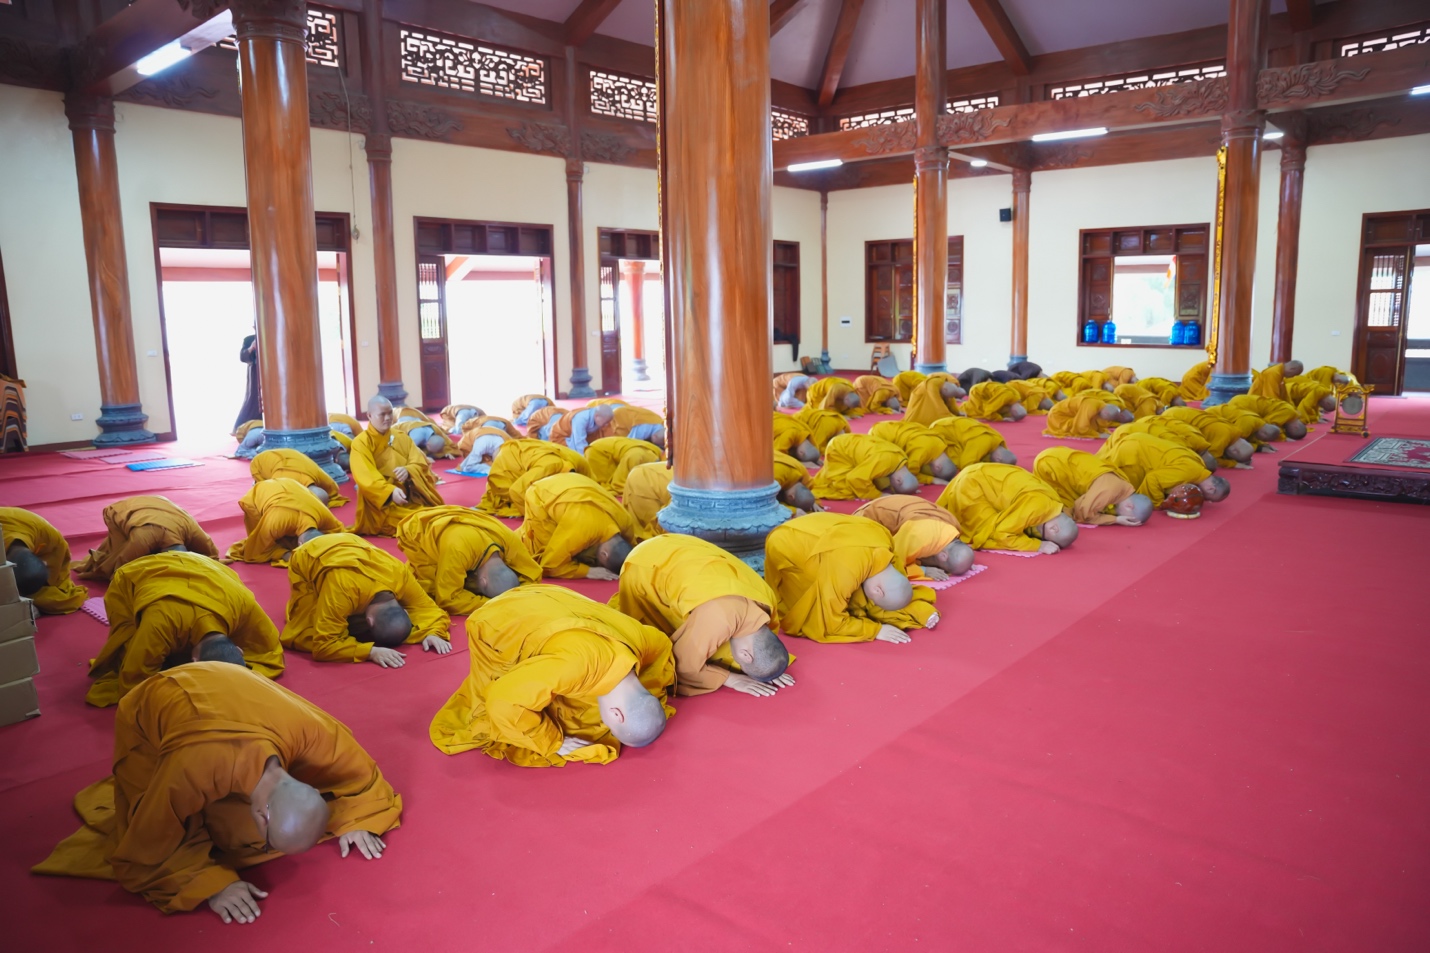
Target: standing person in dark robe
(253,399)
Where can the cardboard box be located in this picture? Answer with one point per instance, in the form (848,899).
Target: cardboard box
(18,701)
(17,620)
(18,659)
(9,591)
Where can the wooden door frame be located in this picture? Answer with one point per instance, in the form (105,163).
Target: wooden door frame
(7,332)
(613,246)
(1358,355)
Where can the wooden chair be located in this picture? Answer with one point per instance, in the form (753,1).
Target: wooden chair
(881,351)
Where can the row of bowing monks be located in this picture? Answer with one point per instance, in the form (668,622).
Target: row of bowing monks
(216,767)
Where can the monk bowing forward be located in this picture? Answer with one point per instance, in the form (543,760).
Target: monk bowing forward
(278,515)
(462,558)
(575,529)
(926,542)
(285,463)
(42,561)
(142,526)
(1004,507)
(392,475)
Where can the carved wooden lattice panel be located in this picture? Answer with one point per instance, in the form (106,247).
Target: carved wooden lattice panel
(429,59)
(788,125)
(324,41)
(625,97)
(1143,80)
(885,117)
(1386,40)
(973,104)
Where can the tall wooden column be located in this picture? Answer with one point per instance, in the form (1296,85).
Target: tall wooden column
(1022,186)
(1241,129)
(716,254)
(824,279)
(635,278)
(1288,246)
(273,89)
(576,233)
(121,416)
(930,190)
(378,146)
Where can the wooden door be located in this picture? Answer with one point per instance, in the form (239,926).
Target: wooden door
(1380,323)
(432,312)
(610,328)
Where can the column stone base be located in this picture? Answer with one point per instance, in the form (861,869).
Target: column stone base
(122,425)
(638,369)
(931,368)
(580,383)
(1016,359)
(315,443)
(1223,387)
(734,520)
(393,391)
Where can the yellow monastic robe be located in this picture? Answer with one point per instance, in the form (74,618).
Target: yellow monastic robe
(927,405)
(1088,486)
(352,423)
(1306,395)
(905,382)
(275,514)
(823,425)
(990,400)
(1119,375)
(1194,382)
(1245,422)
(1218,431)
(1077,416)
(1168,428)
(243,429)
(1325,375)
(920,527)
(447,417)
(444,543)
(541,657)
(567,515)
(540,417)
(968,441)
(702,597)
(449,446)
(62,594)
(519,464)
(293,465)
(1270,409)
(788,472)
(470,437)
(1154,466)
(999,506)
(1071,382)
(140,526)
(343,441)
(817,565)
(612,458)
(1034,391)
(174,823)
(921,445)
(166,603)
(1270,382)
(1138,399)
(375,459)
(627,418)
(334,577)
(789,432)
(647,493)
(854,467)
(875,392)
(1161,388)
(828,393)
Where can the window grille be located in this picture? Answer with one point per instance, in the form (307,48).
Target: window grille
(1143,80)
(788,125)
(625,97)
(1386,40)
(469,67)
(323,39)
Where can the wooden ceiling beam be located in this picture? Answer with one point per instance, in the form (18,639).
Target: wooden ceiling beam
(781,12)
(1004,35)
(105,59)
(838,53)
(1302,14)
(586,19)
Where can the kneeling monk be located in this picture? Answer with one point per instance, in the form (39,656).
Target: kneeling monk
(520,463)
(991,400)
(836,394)
(556,677)
(217,769)
(278,515)
(794,438)
(142,526)
(392,475)
(1005,507)
(838,581)
(1155,466)
(879,395)
(718,613)
(178,607)
(647,493)
(926,451)
(462,558)
(824,426)
(611,460)
(1088,414)
(42,561)
(934,398)
(968,441)
(1091,487)
(575,529)
(353,602)
(926,539)
(287,464)
(796,485)
(861,467)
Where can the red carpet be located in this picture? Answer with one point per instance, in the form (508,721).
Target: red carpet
(1205,735)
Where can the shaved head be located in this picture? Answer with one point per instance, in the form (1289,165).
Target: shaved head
(342,459)
(633,714)
(941,467)
(893,403)
(31,573)
(955,559)
(388,623)
(806,452)
(435,445)
(1328,403)
(492,577)
(1017,411)
(1137,508)
(1293,368)
(309,535)
(1177,402)
(902,481)
(1240,450)
(1045,404)
(1002,455)
(612,553)
(761,654)
(1110,412)
(1061,529)
(603,415)
(1209,460)
(217,647)
(297,816)
(380,414)
(320,494)
(889,589)
(658,438)
(851,400)
(1267,433)
(950,389)
(799,496)
(1295,430)
(1215,488)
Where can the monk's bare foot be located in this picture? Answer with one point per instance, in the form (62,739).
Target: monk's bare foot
(572,744)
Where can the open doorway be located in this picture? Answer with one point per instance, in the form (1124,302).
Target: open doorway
(632,312)
(1392,340)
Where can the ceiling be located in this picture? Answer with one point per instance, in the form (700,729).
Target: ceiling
(883,46)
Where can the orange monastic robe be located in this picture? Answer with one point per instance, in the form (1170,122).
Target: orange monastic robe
(1194,382)
(999,506)
(541,417)
(1270,382)
(927,405)
(1087,485)
(518,405)
(626,418)
(782,381)
(612,458)
(647,493)
(823,425)
(702,597)
(905,382)
(968,441)
(496,423)
(166,603)
(375,459)
(1077,416)
(444,543)
(334,577)
(817,565)
(174,823)
(519,464)
(62,595)
(1138,399)
(275,514)
(990,399)
(540,658)
(921,445)
(1306,394)
(1161,388)
(920,527)
(293,465)
(1168,428)
(1154,466)
(567,515)
(1270,409)
(141,526)
(828,393)
(855,466)
(875,392)
(470,437)
(1120,375)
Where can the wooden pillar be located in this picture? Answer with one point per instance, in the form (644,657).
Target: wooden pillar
(930,189)
(273,89)
(121,416)
(378,146)
(1241,129)
(716,254)
(1022,186)
(1288,247)
(824,279)
(576,232)
(635,278)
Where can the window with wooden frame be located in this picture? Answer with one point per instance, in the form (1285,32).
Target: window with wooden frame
(889,291)
(785,302)
(1151,283)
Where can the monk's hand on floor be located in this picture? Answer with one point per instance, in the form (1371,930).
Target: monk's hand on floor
(887,633)
(783,681)
(238,901)
(401,473)
(1049,549)
(932,622)
(750,686)
(397,497)
(934,573)
(387,658)
(571,744)
(435,643)
(369,845)
(1266,448)
(604,575)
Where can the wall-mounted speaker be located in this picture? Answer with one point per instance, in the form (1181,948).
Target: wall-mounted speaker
(1005,215)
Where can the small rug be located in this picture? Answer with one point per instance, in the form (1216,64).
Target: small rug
(95,607)
(1011,552)
(166,463)
(1394,452)
(87,454)
(469,476)
(131,456)
(952,581)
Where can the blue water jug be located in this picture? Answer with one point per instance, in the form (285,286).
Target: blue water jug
(1193,334)
(1179,334)
(1089,332)
(1109,332)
